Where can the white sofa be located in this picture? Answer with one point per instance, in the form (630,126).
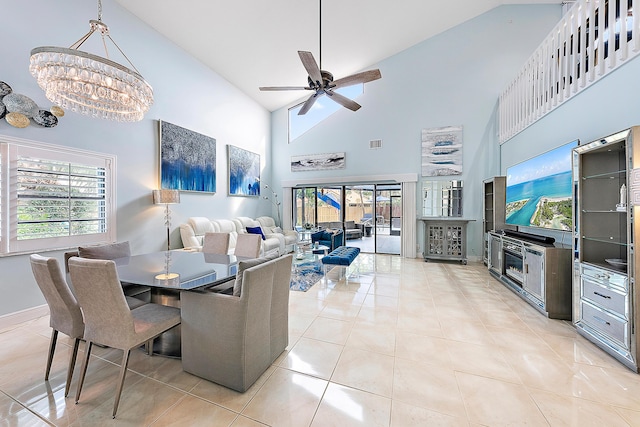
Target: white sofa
(192,233)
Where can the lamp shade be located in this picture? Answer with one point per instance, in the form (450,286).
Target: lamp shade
(168,197)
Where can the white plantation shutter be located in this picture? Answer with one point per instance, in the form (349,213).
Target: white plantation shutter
(56,197)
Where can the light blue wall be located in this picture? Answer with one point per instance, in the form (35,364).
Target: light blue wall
(451,79)
(187,94)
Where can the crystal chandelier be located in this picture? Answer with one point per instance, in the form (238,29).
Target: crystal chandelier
(89,84)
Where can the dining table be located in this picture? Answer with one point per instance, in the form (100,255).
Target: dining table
(167,274)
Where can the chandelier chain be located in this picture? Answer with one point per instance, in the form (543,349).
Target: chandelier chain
(320,35)
(104,31)
(123,54)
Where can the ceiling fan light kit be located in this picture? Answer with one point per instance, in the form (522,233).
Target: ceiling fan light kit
(321,81)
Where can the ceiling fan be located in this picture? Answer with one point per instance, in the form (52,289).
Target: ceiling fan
(321,82)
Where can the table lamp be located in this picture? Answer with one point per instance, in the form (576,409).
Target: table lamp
(167,278)
(166,197)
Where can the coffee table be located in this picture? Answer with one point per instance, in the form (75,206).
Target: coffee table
(305,260)
(306,269)
(320,249)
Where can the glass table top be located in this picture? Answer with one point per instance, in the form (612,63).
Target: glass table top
(180,270)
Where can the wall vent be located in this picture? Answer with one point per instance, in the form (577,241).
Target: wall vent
(374,144)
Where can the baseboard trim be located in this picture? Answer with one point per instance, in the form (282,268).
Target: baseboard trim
(12,319)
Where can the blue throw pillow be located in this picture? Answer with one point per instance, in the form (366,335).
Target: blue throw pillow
(256,230)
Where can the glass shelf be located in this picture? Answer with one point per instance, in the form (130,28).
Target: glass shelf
(605,239)
(606,175)
(602,264)
(603,211)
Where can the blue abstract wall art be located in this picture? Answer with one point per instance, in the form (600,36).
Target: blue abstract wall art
(244,172)
(187,159)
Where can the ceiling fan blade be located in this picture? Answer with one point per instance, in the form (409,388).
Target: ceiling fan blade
(364,77)
(308,104)
(311,66)
(343,100)
(271,88)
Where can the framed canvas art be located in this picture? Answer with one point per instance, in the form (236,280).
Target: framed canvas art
(442,151)
(317,162)
(244,172)
(187,159)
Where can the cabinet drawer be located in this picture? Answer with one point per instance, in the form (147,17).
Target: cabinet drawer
(605,277)
(608,298)
(605,323)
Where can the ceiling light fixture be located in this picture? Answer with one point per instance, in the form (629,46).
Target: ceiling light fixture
(90,84)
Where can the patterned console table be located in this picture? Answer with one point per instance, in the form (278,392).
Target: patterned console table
(445,238)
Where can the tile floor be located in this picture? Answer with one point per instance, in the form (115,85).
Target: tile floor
(405,343)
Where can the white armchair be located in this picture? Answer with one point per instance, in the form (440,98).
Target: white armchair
(269,226)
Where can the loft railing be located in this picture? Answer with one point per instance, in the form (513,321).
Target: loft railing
(593,38)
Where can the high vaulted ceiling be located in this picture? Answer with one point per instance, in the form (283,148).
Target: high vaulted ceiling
(255,43)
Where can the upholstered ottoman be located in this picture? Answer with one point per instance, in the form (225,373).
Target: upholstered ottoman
(341,256)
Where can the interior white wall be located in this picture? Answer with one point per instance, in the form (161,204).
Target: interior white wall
(187,94)
(454,78)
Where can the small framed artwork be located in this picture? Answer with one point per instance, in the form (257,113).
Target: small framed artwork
(244,172)
(317,162)
(187,159)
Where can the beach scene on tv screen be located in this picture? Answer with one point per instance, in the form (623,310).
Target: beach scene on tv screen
(539,191)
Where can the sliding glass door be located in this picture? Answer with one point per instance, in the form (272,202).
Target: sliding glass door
(329,207)
(304,207)
(388,218)
(374,209)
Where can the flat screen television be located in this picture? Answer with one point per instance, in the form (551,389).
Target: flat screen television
(539,190)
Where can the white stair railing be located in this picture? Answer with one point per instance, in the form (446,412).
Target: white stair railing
(593,39)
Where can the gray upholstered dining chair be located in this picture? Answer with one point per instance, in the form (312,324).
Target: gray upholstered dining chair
(215,243)
(107,317)
(279,322)
(136,295)
(248,245)
(64,311)
(247,333)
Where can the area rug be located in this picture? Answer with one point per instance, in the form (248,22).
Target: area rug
(305,275)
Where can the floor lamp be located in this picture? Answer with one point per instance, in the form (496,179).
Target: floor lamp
(275,201)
